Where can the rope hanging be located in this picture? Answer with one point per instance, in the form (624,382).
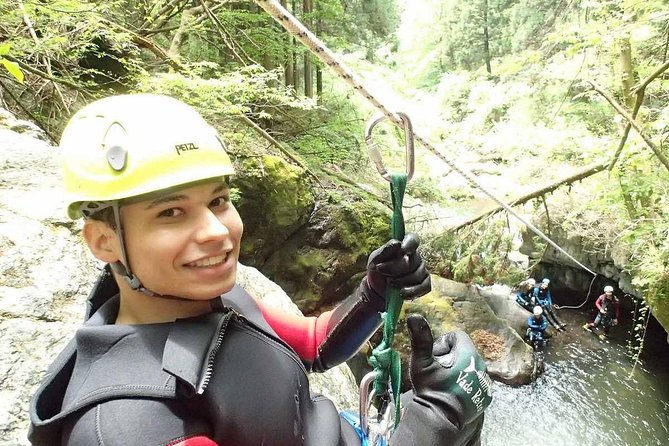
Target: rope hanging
(318,48)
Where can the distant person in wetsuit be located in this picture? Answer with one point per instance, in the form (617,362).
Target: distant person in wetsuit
(541,295)
(608,311)
(536,327)
(524,293)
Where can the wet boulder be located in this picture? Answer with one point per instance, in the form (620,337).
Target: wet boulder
(452,305)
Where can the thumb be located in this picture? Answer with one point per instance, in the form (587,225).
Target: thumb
(421,341)
(390,250)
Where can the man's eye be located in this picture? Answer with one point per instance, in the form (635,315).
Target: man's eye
(219,201)
(171,212)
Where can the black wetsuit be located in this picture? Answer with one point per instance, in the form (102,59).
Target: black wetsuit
(224,376)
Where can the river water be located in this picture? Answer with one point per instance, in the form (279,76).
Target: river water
(586,397)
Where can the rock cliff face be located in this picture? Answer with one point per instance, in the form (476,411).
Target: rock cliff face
(314,247)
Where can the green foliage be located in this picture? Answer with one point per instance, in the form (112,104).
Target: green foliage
(527,22)
(12,67)
(512,26)
(329,136)
(637,337)
(427,189)
(248,90)
(479,255)
(364,23)
(71,50)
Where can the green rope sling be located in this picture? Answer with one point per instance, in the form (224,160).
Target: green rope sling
(384,359)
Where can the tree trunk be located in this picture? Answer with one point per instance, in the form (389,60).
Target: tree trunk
(626,70)
(288,78)
(187,17)
(486,38)
(319,84)
(268,62)
(296,68)
(577,176)
(319,71)
(308,69)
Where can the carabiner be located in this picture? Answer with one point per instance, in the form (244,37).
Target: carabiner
(374,153)
(380,434)
(366,398)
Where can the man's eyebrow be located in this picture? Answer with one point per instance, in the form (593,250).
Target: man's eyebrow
(220,188)
(174,197)
(163,200)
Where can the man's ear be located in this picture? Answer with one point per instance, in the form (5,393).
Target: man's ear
(102,240)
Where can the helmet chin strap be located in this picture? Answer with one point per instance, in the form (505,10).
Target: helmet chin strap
(132,280)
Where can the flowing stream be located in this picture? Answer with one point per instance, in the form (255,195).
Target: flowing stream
(586,396)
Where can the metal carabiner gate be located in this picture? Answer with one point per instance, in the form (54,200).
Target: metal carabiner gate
(379,433)
(374,153)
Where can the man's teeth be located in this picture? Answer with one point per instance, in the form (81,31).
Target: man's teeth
(209,261)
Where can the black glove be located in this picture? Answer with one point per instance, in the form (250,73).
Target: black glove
(400,266)
(450,390)
(355,319)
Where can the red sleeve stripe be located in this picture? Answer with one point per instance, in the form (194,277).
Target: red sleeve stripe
(303,334)
(196,441)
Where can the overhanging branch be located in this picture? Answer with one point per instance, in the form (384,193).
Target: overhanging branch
(663,159)
(581,174)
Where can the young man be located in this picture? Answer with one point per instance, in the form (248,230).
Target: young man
(608,311)
(173,351)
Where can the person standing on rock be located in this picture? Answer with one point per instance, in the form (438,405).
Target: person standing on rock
(173,351)
(541,295)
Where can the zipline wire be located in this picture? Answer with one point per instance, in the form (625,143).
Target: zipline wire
(318,48)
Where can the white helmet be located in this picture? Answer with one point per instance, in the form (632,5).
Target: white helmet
(531,281)
(537,310)
(608,289)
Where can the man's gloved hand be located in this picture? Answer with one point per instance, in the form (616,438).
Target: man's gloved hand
(399,265)
(450,390)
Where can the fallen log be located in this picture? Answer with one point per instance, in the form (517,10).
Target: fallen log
(579,175)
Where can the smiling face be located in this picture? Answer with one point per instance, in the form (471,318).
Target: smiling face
(185,243)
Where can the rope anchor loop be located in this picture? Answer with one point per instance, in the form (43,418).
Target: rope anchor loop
(374,153)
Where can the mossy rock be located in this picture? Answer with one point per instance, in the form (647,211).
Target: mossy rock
(456,306)
(274,201)
(326,259)
(659,306)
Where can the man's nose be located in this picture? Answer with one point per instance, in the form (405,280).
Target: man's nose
(210,227)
